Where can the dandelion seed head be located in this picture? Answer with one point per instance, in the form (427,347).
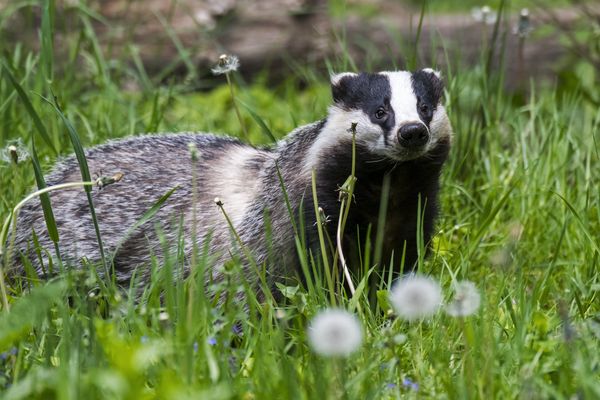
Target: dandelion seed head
(416,297)
(335,332)
(14,152)
(466,300)
(400,338)
(484,14)
(218,201)
(227,63)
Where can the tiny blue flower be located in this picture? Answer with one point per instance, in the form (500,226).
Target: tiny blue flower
(195,347)
(212,341)
(406,382)
(391,386)
(415,387)
(8,353)
(237,329)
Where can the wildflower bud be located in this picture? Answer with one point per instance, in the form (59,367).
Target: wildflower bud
(163,316)
(104,181)
(218,201)
(325,219)
(194,153)
(352,128)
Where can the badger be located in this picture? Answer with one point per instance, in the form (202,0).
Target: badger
(395,122)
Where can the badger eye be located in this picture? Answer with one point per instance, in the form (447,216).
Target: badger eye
(380,113)
(424,108)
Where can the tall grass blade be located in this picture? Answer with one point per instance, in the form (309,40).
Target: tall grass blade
(593,240)
(29,107)
(145,218)
(261,123)
(47,39)
(413,62)
(44,197)
(85,175)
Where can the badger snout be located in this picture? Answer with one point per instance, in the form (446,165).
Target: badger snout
(413,135)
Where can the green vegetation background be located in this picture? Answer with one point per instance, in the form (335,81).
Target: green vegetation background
(520,218)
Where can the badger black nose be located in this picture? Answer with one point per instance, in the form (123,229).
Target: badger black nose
(413,135)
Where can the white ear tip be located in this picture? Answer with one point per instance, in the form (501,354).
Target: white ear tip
(336,78)
(433,71)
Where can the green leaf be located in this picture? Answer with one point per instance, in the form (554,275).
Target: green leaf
(29,107)
(44,197)
(383,299)
(261,123)
(85,175)
(28,312)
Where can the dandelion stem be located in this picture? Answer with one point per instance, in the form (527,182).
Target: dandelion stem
(347,191)
(235,106)
(321,235)
(194,261)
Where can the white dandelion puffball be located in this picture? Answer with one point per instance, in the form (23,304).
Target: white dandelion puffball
(335,332)
(227,63)
(466,300)
(416,297)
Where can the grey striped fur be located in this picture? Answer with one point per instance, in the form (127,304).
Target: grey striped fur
(246,181)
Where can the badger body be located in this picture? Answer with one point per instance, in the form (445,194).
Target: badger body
(402,131)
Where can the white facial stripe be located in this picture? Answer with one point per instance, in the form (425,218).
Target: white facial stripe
(404,101)
(370,135)
(337,127)
(440,125)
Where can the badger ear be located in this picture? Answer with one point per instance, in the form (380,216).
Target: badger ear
(340,85)
(437,73)
(430,81)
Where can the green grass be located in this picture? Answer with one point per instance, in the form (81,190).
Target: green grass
(520,218)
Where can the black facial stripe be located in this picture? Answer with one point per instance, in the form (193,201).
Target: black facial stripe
(428,89)
(366,92)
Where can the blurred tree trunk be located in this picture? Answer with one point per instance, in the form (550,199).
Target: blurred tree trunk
(186,37)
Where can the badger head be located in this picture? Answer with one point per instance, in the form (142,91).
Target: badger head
(399,115)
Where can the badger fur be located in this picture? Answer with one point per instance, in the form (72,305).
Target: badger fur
(402,130)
